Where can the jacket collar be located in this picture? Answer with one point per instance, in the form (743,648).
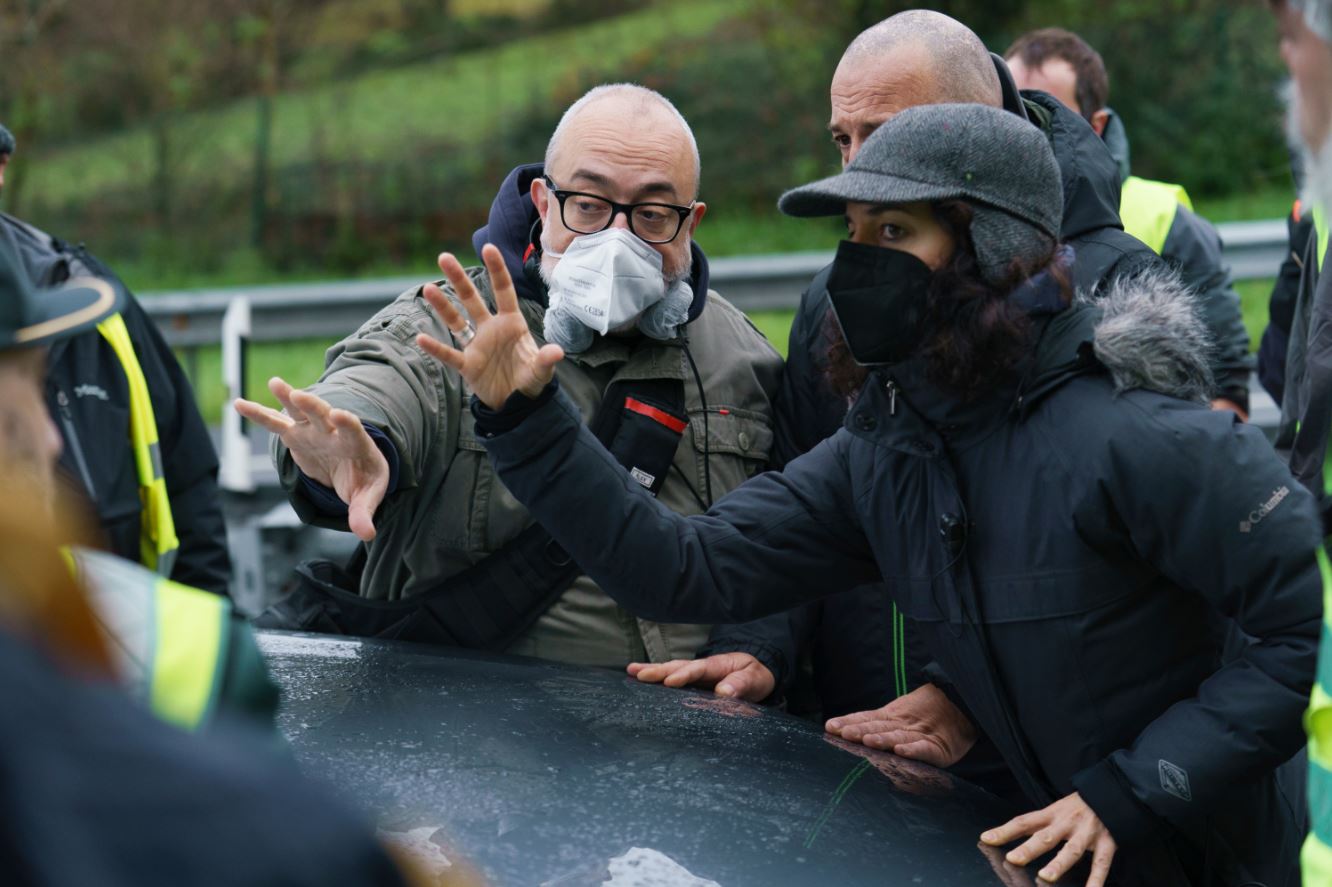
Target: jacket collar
(1090,174)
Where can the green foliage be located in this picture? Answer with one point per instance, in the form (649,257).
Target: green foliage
(1254,298)
(393,120)
(1195,82)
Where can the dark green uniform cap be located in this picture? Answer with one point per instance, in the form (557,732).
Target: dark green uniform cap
(30,316)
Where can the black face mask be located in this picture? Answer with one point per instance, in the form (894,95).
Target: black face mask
(878,297)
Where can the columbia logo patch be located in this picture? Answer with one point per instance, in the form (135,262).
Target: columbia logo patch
(1175,780)
(96,391)
(642,477)
(1256,516)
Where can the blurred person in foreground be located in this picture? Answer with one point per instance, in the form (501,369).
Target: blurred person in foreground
(1306,408)
(183,652)
(599,240)
(97,791)
(134,443)
(1100,520)
(93,789)
(1160,214)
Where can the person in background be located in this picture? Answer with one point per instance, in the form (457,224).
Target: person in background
(1159,214)
(1306,49)
(134,442)
(1274,345)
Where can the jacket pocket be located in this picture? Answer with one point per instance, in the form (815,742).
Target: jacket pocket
(733,432)
(734,445)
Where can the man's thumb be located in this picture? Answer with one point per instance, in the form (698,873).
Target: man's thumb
(361,516)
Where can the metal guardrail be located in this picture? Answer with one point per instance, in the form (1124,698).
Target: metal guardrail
(188,319)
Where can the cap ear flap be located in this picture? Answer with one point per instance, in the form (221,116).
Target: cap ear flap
(1005,245)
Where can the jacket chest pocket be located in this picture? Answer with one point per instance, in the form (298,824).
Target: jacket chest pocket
(735,443)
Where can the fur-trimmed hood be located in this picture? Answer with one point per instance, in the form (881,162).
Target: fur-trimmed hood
(1151,335)
(1145,330)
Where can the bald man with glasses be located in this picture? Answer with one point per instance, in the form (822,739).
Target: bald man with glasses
(674,380)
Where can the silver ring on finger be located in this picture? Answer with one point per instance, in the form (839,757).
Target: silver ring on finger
(465,335)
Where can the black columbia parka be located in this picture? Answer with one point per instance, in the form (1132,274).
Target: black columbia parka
(1107,538)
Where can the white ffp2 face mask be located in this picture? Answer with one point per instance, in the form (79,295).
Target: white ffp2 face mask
(605,281)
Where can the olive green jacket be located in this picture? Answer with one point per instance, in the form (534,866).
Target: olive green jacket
(449,511)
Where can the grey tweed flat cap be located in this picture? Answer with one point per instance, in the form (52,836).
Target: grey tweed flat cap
(943,152)
(985,156)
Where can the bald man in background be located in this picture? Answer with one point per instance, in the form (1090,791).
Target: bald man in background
(674,380)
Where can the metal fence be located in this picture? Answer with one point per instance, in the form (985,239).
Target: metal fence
(327,310)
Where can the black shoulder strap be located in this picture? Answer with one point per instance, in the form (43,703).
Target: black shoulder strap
(488,605)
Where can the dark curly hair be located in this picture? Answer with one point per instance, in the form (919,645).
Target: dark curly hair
(974,336)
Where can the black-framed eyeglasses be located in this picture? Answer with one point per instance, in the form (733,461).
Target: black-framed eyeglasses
(585,213)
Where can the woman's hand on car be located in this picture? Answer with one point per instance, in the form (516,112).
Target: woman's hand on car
(734,675)
(1068,821)
(923,725)
(499,357)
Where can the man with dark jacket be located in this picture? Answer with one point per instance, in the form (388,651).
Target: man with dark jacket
(599,238)
(863,650)
(134,442)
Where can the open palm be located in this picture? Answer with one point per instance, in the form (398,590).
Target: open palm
(502,357)
(330,446)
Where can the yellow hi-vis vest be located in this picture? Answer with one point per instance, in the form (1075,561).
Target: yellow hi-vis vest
(169,639)
(1316,855)
(1148,209)
(1320,232)
(158,544)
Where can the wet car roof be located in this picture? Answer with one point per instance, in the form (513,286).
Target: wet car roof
(532,772)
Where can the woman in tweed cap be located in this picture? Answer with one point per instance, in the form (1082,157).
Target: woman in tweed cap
(1037,482)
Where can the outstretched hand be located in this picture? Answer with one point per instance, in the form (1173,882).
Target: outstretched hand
(1069,822)
(330,446)
(501,357)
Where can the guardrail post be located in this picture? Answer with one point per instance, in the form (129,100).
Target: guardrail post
(236,457)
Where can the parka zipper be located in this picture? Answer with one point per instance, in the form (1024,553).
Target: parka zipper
(72,438)
(891,386)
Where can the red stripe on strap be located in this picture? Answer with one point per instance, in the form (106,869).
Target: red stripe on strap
(637,406)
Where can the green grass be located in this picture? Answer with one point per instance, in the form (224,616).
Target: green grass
(299,362)
(776,325)
(1254,296)
(459,100)
(1269,203)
